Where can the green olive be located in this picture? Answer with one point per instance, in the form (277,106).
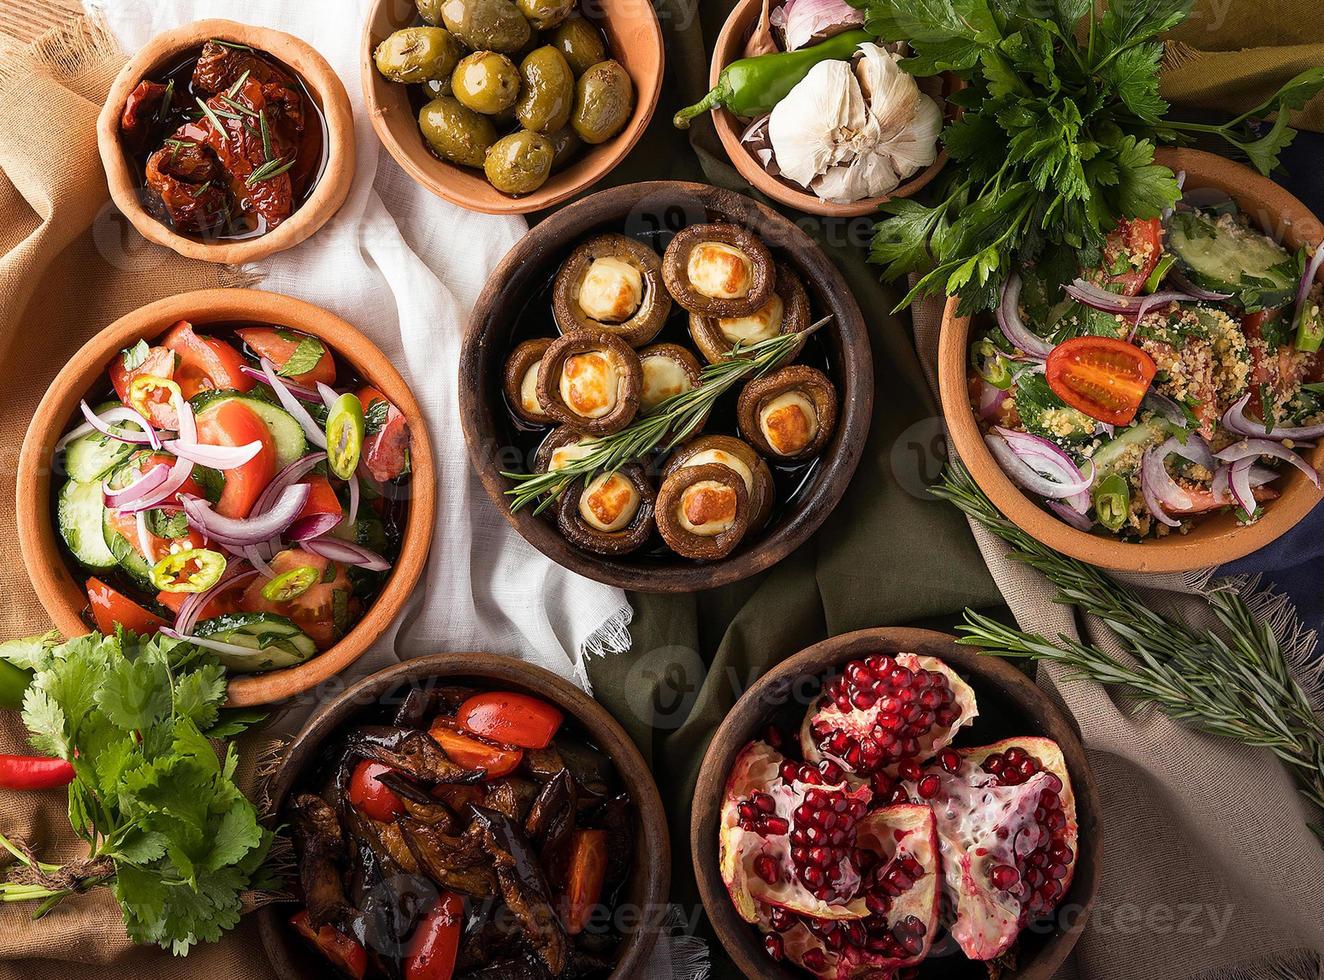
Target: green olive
(418,54)
(565,144)
(581,43)
(548,93)
(455,132)
(486,82)
(487,25)
(436,88)
(545,14)
(519,163)
(604,99)
(430,11)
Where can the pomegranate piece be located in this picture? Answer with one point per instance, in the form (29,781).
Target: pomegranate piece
(901,885)
(789,837)
(1006,818)
(884,711)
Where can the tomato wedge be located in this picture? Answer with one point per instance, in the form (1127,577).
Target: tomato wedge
(205,363)
(436,942)
(510,718)
(144,461)
(127,527)
(371,796)
(231,423)
(343,952)
(313,611)
(469,752)
(225,601)
(159,363)
(278,345)
(1102,377)
(110,608)
(584,879)
(1130,253)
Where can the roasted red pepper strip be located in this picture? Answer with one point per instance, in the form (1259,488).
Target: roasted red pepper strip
(583,887)
(510,718)
(436,941)
(34,772)
(340,949)
(470,753)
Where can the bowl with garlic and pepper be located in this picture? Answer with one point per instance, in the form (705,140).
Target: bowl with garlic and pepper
(816,113)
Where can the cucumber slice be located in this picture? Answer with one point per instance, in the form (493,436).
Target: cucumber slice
(1222,254)
(1122,455)
(286,433)
(274,640)
(79,513)
(126,555)
(88,458)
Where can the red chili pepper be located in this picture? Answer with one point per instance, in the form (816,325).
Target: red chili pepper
(34,772)
(436,941)
(510,718)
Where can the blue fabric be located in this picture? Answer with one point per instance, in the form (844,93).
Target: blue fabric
(1295,562)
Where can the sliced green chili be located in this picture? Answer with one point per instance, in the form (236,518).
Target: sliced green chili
(1112,501)
(344,436)
(990,364)
(1159,274)
(194,570)
(290,585)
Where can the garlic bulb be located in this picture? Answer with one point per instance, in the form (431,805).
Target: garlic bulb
(890,91)
(915,146)
(813,128)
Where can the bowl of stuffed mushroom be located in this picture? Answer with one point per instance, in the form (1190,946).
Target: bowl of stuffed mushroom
(666,387)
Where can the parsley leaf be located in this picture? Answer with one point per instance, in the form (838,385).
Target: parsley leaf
(304,358)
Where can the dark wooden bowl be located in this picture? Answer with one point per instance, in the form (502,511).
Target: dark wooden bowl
(650,887)
(1009,704)
(654,207)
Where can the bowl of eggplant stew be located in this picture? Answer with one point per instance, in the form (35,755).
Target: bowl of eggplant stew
(467,815)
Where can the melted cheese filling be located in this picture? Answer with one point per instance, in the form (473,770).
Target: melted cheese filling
(759,325)
(789,422)
(569,453)
(707,509)
(720,271)
(528,390)
(612,290)
(663,377)
(609,502)
(733,463)
(589,383)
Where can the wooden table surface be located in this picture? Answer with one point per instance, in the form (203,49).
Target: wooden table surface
(26,20)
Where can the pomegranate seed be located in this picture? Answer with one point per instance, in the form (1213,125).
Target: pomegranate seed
(899,678)
(931,698)
(1049,800)
(774,946)
(766,868)
(864,700)
(993,764)
(1053,783)
(1015,755)
(832,772)
(929,787)
(815,960)
(950,760)
(1056,820)
(1057,871)
(909,770)
(1003,876)
(1060,853)
(789,771)
(781,919)
(947,715)
(765,803)
(776,826)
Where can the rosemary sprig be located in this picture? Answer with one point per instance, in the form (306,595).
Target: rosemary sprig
(238,83)
(668,424)
(167,99)
(213,119)
(268,170)
(238,106)
(266,135)
(1234,682)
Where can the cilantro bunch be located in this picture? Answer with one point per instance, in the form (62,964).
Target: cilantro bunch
(154,796)
(1056,144)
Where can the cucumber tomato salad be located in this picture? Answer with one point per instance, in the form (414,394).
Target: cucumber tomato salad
(238,488)
(1177,377)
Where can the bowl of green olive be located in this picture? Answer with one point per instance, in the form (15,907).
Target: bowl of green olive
(511,106)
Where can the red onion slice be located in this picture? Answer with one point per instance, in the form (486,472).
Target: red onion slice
(144,539)
(1027,476)
(353,498)
(1069,515)
(1308,280)
(328,395)
(1129,306)
(1159,489)
(1235,420)
(1252,449)
(291,404)
(1165,407)
(138,489)
(1011,324)
(291,474)
(217,457)
(241,532)
(313,527)
(1180,280)
(257,557)
(990,399)
(1053,459)
(105,424)
(1242,492)
(192,607)
(297,390)
(347,554)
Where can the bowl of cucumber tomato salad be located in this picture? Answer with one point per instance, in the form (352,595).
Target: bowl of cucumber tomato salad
(240,482)
(1172,379)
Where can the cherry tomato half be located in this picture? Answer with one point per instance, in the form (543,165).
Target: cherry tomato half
(510,718)
(278,345)
(110,608)
(205,363)
(231,423)
(436,942)
(343,952)
(1102,377)
(369,795)
(1130,253)
(469,752)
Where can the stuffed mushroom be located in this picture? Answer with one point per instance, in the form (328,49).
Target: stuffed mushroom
(668,370)
(563,446)
(612,284)
(703,511)
(788,414)
(787,311)
(741,459)
(719,270)
(611,513)
(590,381)
(520,381)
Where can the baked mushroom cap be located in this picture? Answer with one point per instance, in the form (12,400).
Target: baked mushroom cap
(786,311)
(703,511)
(719,270)
(590,381)
(741,459)
(668,370)
(562,446)
(520,381)
(612,284)
(610,514)
(789,414)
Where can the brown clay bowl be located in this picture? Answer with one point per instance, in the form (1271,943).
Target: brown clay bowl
(635,39)
(1009,705)
(730,47)
(652,208)
(651,883)
(322,82)
(1216,539)
(62,594)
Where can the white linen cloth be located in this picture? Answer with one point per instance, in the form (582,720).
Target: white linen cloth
(406,268)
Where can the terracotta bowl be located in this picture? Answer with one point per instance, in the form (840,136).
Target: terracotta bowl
(635,39)
(651,883)
(650,208)
(730,47)
(1216,539)
(321,81)
(62,594)
(1009,705)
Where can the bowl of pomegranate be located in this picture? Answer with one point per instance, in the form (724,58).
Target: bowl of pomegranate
(467,815)
(233,468)
(891,803)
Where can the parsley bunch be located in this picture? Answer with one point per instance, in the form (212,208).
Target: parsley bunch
(1056,143)
(154,795)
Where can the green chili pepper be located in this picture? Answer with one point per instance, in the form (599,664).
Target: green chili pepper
(752,86)
(194,570)
(1159,274)
(344,435)
(990,365)
(1112,501)
(14,683)
(292,584)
